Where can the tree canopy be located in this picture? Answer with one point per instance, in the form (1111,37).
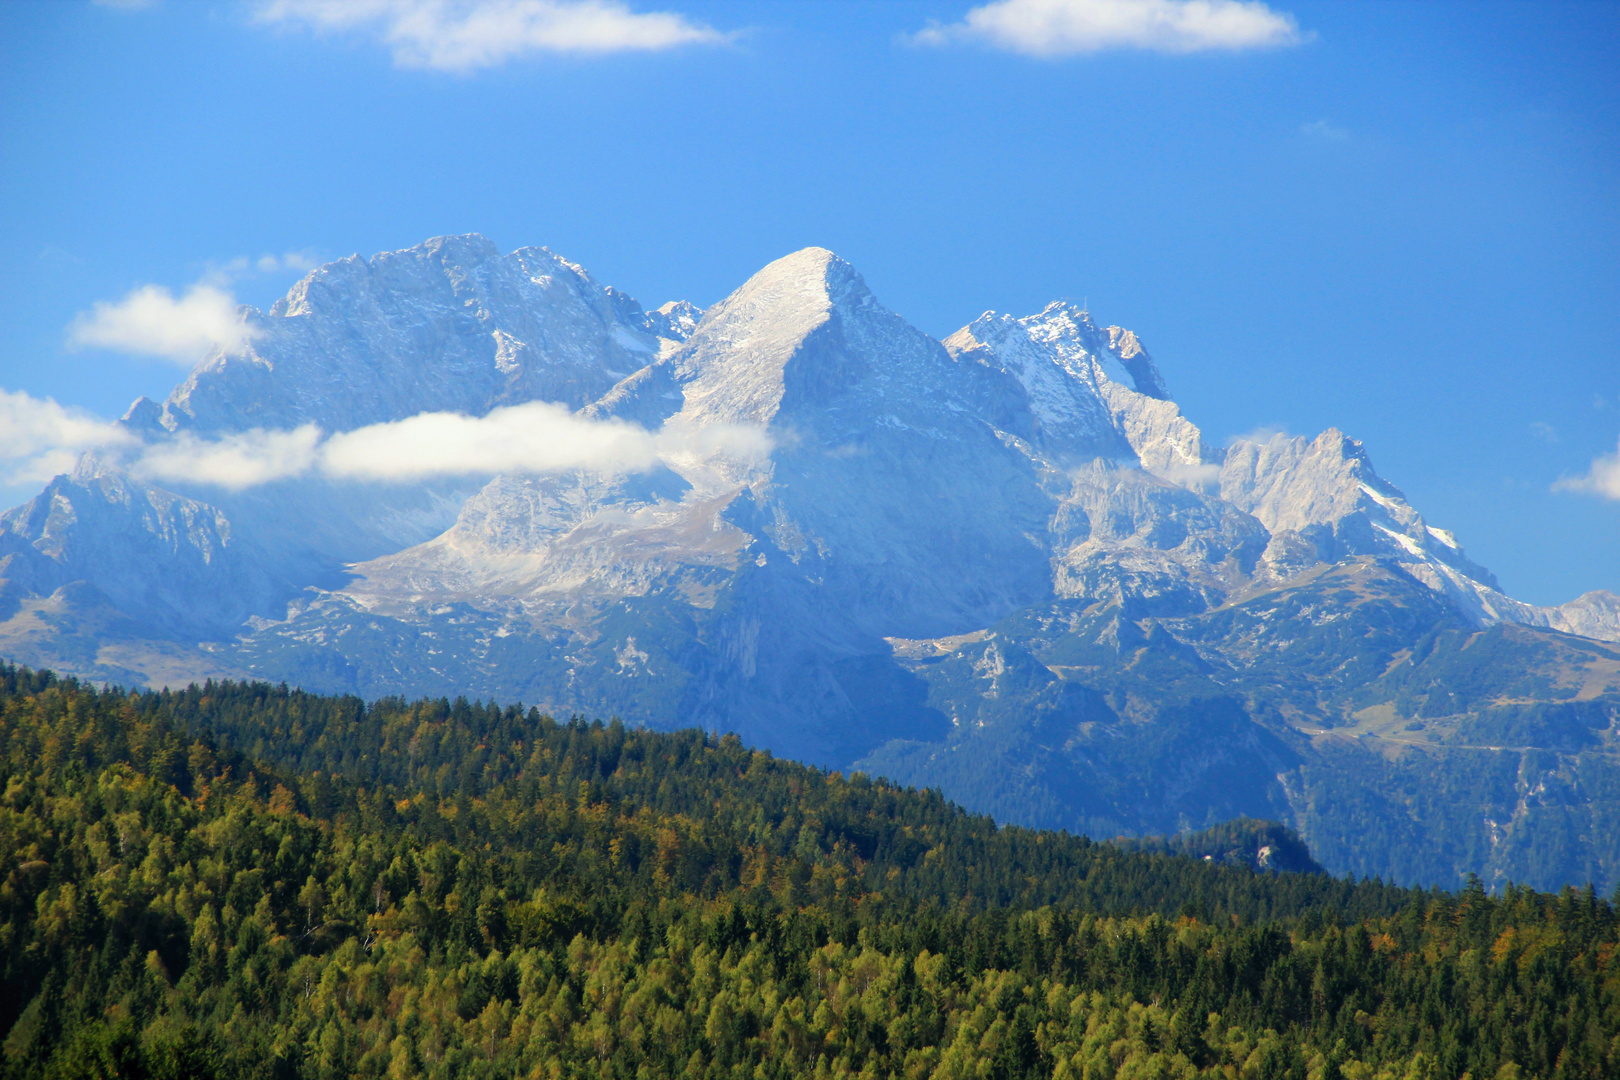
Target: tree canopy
(243,880)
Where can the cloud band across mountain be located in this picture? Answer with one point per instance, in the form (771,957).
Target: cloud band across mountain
(536,437)
(39,439)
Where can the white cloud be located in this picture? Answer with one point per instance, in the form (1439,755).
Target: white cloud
(532,438)
(233,462)
(536,437)
(739,444)
(463,35)
(40,439)
(150,320)
(1050,28)
(1204,478)
(1602,479)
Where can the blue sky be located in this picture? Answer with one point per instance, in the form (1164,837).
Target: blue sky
(1400,220)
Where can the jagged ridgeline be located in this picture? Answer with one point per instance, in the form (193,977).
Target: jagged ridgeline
(238,880)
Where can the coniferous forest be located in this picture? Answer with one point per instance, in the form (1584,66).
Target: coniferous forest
(242,880)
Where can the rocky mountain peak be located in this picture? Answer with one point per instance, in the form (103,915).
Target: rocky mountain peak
(784,302)
(1117,352)
(1084,393)
(1291,483)
(799,334)
(460,260)
(450,324)
(144,418)
(675,321)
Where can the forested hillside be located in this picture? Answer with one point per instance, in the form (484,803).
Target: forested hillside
(239,880)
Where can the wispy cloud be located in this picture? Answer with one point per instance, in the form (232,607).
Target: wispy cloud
(226,273)
(1052,28)
(1205,478)
(464,35)
(39,438)
(1602,479)
(152,321)
(56,258)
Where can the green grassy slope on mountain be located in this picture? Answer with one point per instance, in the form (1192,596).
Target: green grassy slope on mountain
(237,880)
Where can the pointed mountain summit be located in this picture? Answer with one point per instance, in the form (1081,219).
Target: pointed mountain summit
(734,368)
(800,339)
(800,342)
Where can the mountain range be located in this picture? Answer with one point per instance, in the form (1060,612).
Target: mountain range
(1004,564)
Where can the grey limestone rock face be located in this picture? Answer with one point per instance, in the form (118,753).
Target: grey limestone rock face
(168,562)
(1595,615)
(1322,502)
(883,486)
(1153,542)
(674,321)
(527,540)
(451,325)
(1088,392)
